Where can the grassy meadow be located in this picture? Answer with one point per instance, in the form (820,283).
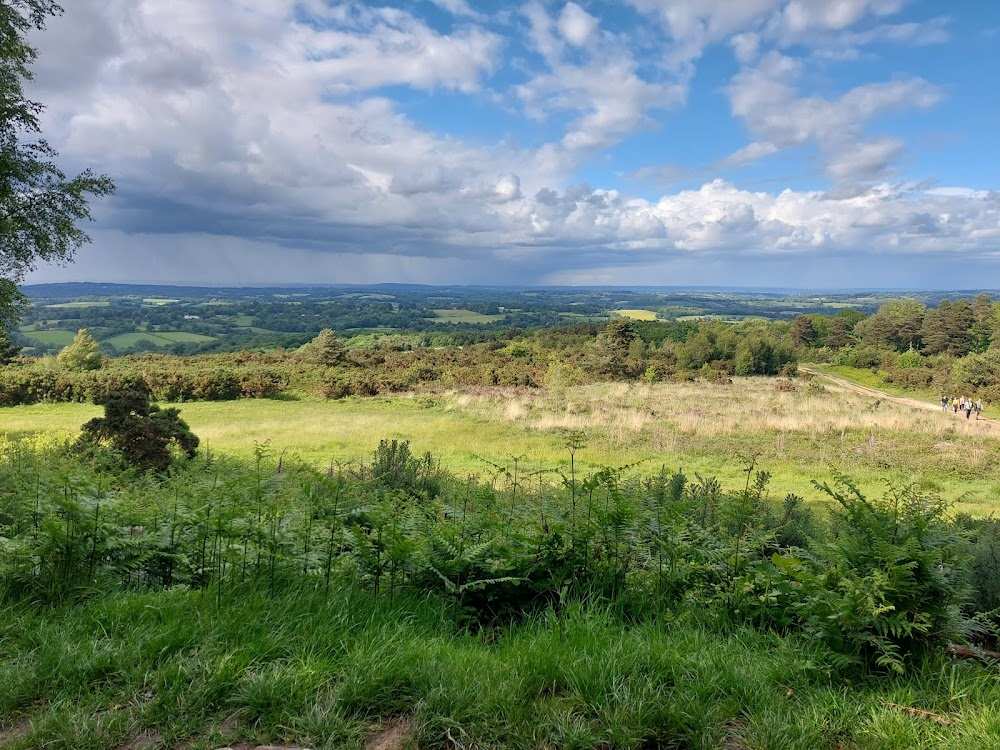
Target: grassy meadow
(701,428)
(250,598)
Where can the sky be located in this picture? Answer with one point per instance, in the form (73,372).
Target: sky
(777,143)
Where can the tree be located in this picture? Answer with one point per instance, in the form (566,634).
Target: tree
(946,328)
(756,355)
(82,354)
(9,349)
(40,206)
(803,332)
(838,334)
(896,325)
(983,327)
(326,349)
(609,353)
(141,431)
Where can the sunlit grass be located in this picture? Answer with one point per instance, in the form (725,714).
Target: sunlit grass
(179,669)
(637,314)
(705,428)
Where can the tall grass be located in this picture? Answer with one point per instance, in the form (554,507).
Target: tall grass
(267,598)
(799,435)
(181,669)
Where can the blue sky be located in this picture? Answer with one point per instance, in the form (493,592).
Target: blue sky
(828,143)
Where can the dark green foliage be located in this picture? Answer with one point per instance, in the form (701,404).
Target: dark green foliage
(983,535)
(838,333)
(899,580)
(8,348)
(803,331)
(140,431)
(880,588)
(394,467)
(758,354)
(896,325)
(40,206)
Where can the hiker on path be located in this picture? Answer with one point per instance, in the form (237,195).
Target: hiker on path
(968,408)
(954,403)
(979,407)
(944,402)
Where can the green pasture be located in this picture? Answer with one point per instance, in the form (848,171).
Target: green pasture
(98,303)
(59,338)
(464,316)
(166,338)
(471,441)
(159,301)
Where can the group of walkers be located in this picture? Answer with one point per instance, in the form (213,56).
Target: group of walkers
(961,403)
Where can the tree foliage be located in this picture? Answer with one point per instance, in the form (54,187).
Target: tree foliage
(139,430)
(326,349)
(82,354)
(40,206)
(896,325)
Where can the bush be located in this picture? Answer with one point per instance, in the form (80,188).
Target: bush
(141,432)
(896,581)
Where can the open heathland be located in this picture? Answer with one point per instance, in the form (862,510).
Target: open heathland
(798,430)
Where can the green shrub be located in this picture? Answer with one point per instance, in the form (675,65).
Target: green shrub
(141,432)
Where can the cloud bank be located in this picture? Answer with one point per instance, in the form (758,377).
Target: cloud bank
(320,141)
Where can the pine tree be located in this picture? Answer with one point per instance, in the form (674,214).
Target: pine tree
(838,334)
(326,349)
(139,430)
(803,332)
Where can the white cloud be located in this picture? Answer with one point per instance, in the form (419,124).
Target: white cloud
(766,99)
(234,132)
(606,91)
(576,25)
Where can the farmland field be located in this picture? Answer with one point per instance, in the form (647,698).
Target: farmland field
(637,314)
(166,338)
(70,305)
(59,338)
(464,316)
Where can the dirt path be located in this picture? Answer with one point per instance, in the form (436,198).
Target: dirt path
(865,390)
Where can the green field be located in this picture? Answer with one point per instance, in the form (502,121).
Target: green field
(322,609)
(166,338)
(159,301)
(464,316)
(797,436)
(58,338)
(101,303)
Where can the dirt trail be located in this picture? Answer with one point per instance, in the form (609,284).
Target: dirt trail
(916,403)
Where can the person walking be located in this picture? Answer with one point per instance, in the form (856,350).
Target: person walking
(979,407)
(968,407)
(944,402)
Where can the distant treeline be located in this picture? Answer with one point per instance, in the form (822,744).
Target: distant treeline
(954,347)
